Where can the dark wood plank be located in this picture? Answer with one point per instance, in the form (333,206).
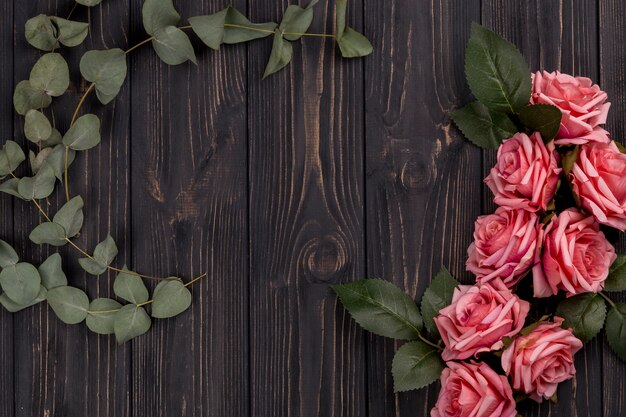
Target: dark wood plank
(60,369)
(189,210)
(612,75)
(555,36)
(423,178)
(306,224)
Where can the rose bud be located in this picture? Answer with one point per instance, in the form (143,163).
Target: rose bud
(473,390)
(598,178)
(479,318)
(526,173)
(582,104)
(537,363)
(575,256)
(504,246)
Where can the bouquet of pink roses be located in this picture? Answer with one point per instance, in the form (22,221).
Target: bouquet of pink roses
(560,186)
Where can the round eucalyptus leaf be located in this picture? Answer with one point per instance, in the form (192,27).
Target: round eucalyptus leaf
(8,256)
(130,288)
(92,267)
(26,98)
(13,307)
(157,14)
(10,187)
(84,134)
(238,34)
(51,272)
(37,161)
(56,160)
(51,75)
(101,315)
(70,33)
(69,304)
(70,216)
(54,139)
(105,251)
(41,33)
(107,69)
(48,233)
(280,56)
(296,20)
(11,156)
(89,3)
(37,187)
(37,127)
(131,321)
(170,299)
(173,46)
(21,282)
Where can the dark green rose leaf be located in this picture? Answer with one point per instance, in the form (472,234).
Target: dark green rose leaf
(89,3)
(26,98)
(496,71)
(70,33)
(172,45)
(542,118)
(103,255)
(484,128)
(584,314)
(69,304)
(51,272)
(20,282)
(56,159)
(37,127)
(415,365)
(616,329)
(569,159)
(130,287)
(37,187)
(101,315)
(131,321)
(616,281)
(296,20)
(351,43)
(8,256)
(13,307)
(280,56)
(84,134)
(437,296)
(107,69)
(10,187)
(170,299)
(158,14)
(41,33)
(51,75)
(48,233)
(70,216)
(381,308)
(11,156)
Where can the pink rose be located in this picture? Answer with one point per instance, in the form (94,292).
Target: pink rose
(575,256)
(599,179)
(537,363)
(504,246)
(526,173)
(473,390)
(479,318)
(581,102)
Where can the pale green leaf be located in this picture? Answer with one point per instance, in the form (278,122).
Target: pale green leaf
(353,44)
(84,134)
(56,160)
(158,14)
(92,267)
(69,304)
(101,315)
(280,56)
(36,161)
(37,127)
(70,216)
(11,156)
(48,233)
(415,365)
(41,33)
(10,187)
(236,34)
(103,255)
(616,329)
(21,282)
(26,98)
(210,29)
(70,33)
(13,307)
(296,21)
(37,187)
(437,296)
(50,74)
(54,139)
(172,45)
(170,299)
(51,272)
(89,3)
(107,69)
(130,287)
(584,314)
(8,256)
(484,128)
(131,321)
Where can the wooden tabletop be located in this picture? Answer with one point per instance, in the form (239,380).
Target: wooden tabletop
(329,171)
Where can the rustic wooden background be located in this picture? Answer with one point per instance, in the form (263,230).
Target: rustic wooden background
(330,171)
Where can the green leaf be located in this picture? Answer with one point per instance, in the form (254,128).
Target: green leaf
(210,29)
(37,127)
(36,162)
(131,321)
(41,33)
(296,20)
(48,233)
(10,187)
(437,296)
(70,216)
(51,75)
(484,128)
(51,272)
(54,139)
(89,3)
(170,299)
(496,71)
(616,329)
(11,156)
(280,56)
(103,255)
(542,118)
(107,69)
(158,14)
(340,17)
(26,98)
(569,159)
(616,281)
(13,307)
(101,315)
(8,256)
(70,33)
(381,308)
(584,313)
(84,134)
(69,304)
(37,187)
(172,45)
(56,160)
(415,365)
(20,282)
(130,287)
(351,43)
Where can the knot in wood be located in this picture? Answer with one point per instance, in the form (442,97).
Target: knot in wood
(415,174)
(325,258)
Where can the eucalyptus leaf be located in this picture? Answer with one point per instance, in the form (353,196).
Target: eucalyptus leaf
(51,272)
(484,128)
(37,187)
(13,307)
(20,282)
(351,43)
(11,156)
(616,329)
(616,281)
(158,14)
(70,33)
(10,187)
(130,287)
(89,3)
(26,98)
(8,256)
(50,74)
(69,304)
(84,133)
(92,267)
(101,315)
(54,139)
(415,365)
(210,29)
(36,161)
(103,255)
(543,118)
(296,21)
(48,233)
(41,33)
(437,296)
(381,308)
(280,56)
(236,34)
(56,160)
(107,69)
(170,299)
(37,127)
(173,46)
(584,314)
(131,321)
(70,216)
(496,71)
